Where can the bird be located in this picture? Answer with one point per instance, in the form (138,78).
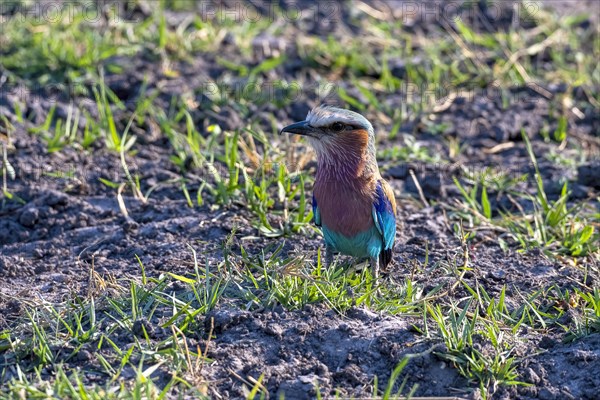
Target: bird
(352,204)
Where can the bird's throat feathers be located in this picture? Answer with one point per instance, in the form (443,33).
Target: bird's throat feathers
(347,157)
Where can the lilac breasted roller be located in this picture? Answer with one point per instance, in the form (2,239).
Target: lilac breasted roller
(354,206)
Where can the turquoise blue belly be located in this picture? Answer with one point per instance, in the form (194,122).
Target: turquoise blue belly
(365,244)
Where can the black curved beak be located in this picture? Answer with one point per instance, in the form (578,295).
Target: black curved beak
(300,128)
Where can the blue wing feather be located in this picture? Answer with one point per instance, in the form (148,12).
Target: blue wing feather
(385,219)
(316,212)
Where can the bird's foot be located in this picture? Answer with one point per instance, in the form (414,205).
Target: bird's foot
(375,274)
(356,266)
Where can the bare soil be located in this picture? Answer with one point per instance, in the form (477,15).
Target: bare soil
(64,224)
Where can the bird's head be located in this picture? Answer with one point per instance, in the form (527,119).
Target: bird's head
(336,133)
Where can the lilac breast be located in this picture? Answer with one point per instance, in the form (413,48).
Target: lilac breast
(344,208)
(344,194)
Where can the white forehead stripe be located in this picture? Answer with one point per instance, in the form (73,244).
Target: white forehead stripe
(319,121)
(325,116)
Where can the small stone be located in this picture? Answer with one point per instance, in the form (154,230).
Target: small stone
(220,320)
(587,174)
(530,376)
(130,225)
(308,379)
(497,274)
(84,355)
(40,269)
(141,325)
(322,369)
(29,217)
(56,199)
(547,342)
(37,253)
(274,330)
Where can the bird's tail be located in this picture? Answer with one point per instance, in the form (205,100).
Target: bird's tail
(385,257)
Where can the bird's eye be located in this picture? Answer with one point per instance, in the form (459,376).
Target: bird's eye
(337,127)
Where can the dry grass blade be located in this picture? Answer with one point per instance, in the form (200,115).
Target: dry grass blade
(419,189)
(120,200)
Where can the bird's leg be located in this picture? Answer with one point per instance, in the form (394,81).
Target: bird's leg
(375,269)
(328,256)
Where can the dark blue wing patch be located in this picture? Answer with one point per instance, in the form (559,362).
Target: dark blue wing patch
(316,212)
